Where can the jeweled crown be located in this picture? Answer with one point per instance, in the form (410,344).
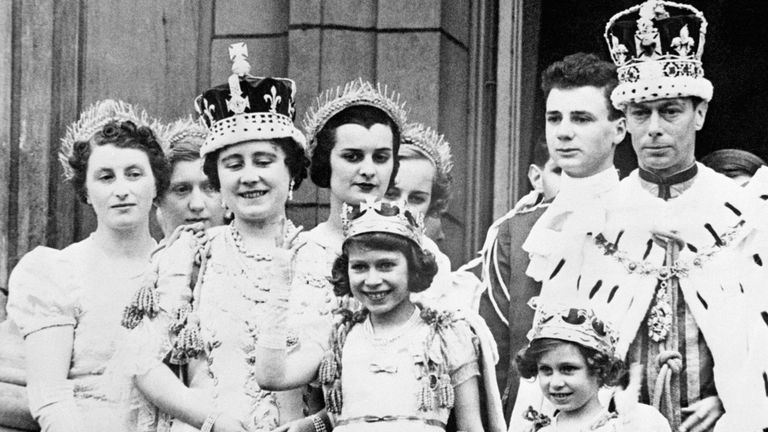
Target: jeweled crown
(357,92)
(91,120)
(430,144)
(573,324)
(657,47)
(374,216)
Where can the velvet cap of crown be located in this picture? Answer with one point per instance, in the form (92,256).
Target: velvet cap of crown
(374,216)
(247,108)
(573,324)
(657,48)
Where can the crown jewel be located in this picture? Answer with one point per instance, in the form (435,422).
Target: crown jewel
(429,143)
(92,120)
(657,47)
(357,92)
(383,217)
(572,324)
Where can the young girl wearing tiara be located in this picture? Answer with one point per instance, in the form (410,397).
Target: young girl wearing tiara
(391,365)
(571,354)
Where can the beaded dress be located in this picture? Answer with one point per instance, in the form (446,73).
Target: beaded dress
(229,302)
(70,287)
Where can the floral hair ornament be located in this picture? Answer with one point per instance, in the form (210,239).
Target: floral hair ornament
(247,108)
(354,93)
(427,142)
(92,120)
(657,47)
(185,129)
(374,216)
(573,324)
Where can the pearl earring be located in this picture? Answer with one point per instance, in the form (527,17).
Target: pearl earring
(290,190)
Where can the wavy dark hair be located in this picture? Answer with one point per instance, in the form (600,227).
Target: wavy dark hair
(295,159)
(582,70)
(422,266)
(609,370)
(363,115)
(122,135)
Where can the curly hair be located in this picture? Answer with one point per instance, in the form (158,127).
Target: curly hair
(122,135)
(582,70)
(422,266)
(363,115)
(441,183)
(295,159)
(608,369)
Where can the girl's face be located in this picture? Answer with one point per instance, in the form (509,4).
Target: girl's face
(190,198)
(120,186)
(413,184)
(379,280)
(565,379)
(254,181)
(361,162)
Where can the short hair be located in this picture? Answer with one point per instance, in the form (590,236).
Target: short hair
(540,152)
(122,135)
(733,162)
(582,70)
(608,369)
(295,159)
(422,266)
(441,184)
(363,115)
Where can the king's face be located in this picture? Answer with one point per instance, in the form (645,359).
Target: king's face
(664,132)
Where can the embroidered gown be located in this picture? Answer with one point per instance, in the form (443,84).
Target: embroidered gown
(231,300)
(70,287)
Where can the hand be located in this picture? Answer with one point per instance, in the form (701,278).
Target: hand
(662,237)
(227,423)
(702,415)
(301,425)
(287,245)
(626,400)
(181,247)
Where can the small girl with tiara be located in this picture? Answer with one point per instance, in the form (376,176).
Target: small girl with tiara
(571,354)
(390,365)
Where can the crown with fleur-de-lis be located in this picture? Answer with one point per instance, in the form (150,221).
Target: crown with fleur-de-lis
(357,92)
(248,108)
(657,48)
(373,216)
(573,324)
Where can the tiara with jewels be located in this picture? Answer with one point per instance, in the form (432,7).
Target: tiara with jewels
(658,52)
(430,144)
(374,216)
(184,129)
(572,324)
(357,92)
(91,120)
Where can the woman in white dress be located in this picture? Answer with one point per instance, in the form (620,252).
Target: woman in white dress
(67,303)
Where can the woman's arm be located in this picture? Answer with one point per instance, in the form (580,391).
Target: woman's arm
(278,370)
(51,399)
(467,406)
(163,389)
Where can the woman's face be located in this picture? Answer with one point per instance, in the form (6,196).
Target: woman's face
(413,184)
(254,181)
(120,186)
(190,198)
(361,162)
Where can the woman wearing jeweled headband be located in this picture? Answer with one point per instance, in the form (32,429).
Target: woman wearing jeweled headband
(67,303)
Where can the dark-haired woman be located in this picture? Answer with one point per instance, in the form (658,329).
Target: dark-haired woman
(212,296)
(67,303)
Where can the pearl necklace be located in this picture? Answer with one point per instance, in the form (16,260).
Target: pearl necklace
(237,238)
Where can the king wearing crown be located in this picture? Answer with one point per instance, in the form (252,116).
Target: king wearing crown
(676,253)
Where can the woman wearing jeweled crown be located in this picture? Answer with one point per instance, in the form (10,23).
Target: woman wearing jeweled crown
(67,303)
(190,197)
(392,365)
(201,314)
